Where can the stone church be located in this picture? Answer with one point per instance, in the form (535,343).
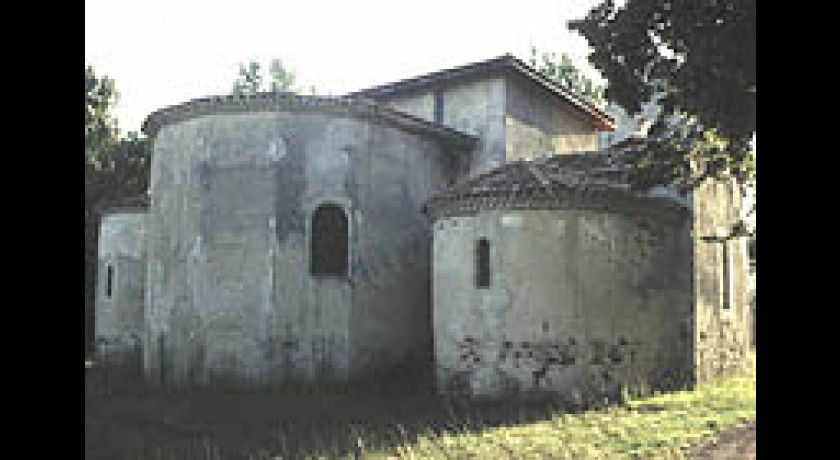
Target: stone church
(467,219)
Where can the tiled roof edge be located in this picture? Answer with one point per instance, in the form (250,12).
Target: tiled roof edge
(565,200)
(585,180)
(273,101)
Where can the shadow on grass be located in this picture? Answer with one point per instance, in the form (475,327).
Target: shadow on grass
(124,419)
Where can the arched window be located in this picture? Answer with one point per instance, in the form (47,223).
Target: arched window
(482,263)
(329,241)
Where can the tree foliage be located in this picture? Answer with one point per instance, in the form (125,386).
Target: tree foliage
(249,80)
(561,70)
(696,60)
(100,127)
(280,79)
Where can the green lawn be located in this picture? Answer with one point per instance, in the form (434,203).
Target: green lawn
(654,427)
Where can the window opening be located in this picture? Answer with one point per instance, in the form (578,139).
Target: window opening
(329,241)
(483,263)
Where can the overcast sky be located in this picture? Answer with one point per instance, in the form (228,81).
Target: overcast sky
(163,52)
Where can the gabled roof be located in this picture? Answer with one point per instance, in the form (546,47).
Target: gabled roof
(588,180)
(506,62)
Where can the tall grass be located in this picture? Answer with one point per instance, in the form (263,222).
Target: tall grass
(661,426)
(125,421)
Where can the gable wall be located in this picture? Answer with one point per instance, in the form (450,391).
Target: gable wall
(512,117)
(537,123)
(475,107)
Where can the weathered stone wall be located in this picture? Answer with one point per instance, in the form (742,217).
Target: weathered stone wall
(390,325)
(475,107)
(722,333)
(537,124)
(578,301)
(214,193)
(230,291)
(119,316)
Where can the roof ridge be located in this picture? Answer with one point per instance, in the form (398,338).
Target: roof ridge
(604,120)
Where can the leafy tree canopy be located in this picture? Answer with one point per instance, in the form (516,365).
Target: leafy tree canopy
(696,60)
(100,97)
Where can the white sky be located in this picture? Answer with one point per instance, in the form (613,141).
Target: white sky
(166,52)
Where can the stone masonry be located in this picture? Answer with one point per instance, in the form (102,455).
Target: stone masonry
(298,238)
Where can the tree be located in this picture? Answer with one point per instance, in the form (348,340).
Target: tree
(280,79)
(100,127)
(696,60)
(250,79)
(561,70)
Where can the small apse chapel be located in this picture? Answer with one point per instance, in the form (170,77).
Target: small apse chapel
(466,220)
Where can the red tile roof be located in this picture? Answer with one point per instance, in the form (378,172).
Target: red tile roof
(587,179)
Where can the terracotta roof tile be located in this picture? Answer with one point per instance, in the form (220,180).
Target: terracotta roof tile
(597,176)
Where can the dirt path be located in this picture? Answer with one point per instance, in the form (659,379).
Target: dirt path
(734,444)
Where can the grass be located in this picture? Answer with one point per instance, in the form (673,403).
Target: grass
(661,426)
(325,423)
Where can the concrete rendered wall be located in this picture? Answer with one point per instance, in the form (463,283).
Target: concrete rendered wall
(119,316)
(230,293)
(722,335)
(537,124)
(211,255)
(390,325)
(578,301)
(512,118)
(475,107)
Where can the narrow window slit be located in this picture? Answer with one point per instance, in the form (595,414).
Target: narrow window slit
(483,263)
(109,282)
